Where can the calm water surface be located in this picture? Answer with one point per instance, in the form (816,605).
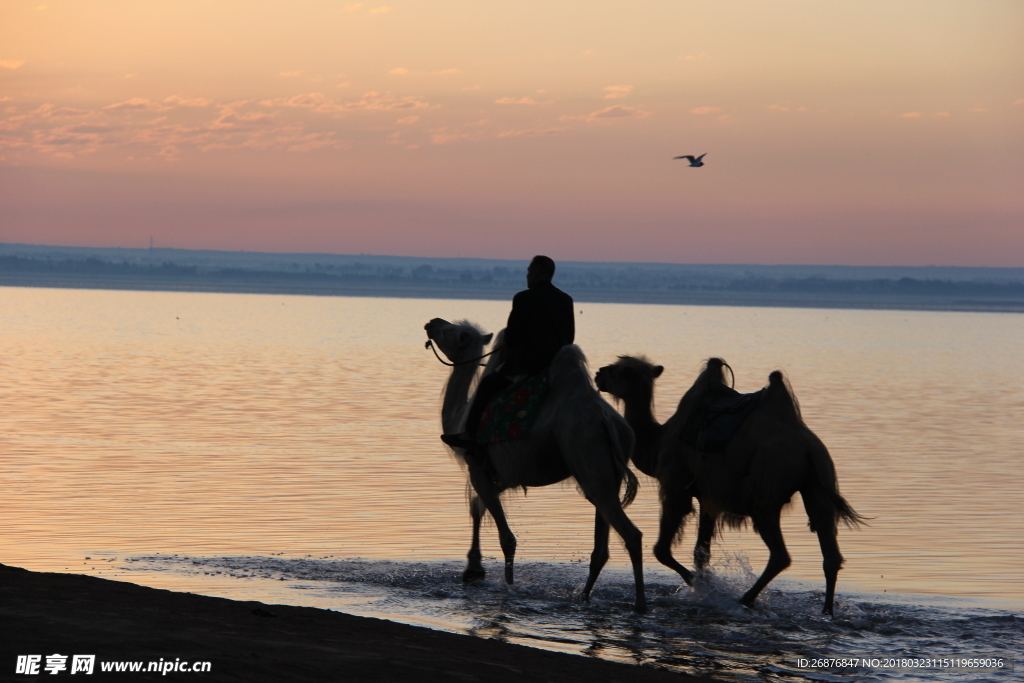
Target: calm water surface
(272,440)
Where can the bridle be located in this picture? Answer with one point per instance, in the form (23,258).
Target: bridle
(430,345)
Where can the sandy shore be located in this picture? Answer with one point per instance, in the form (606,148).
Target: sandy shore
(70,614)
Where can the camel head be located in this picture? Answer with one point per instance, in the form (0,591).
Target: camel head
(458,341)
(628,378)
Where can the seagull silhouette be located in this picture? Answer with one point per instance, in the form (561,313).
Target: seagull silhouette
(695,162)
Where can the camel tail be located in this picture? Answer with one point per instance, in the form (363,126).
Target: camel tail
(824,492)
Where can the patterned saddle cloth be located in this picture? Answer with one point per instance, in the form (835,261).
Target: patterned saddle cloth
(717,418)
(512,411)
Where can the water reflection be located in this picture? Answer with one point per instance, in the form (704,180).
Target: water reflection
(210,425)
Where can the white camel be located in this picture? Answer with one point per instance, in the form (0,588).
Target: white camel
(576,434)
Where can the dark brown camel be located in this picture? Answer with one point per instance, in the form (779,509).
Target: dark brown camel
(771,457)
(576,434)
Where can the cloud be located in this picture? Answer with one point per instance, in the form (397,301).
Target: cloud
(310,100)
(135,104)
(354,7)
(617,91)
(183,102)
(980,110)
(617,111)
(290,74)
(700,111)
(314,141)
(536,132)
(90,128)
(446,138)
(1020,101)
(446,72)
(12,63)
(513,100)
(399,71)
(382,10)
(921,115)
(693,58)
(408,120)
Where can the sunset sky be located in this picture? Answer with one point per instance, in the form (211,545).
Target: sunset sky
(870,133)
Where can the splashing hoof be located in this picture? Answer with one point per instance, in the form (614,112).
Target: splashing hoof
(473,574)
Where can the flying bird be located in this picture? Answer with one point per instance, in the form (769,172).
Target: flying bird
(695,162)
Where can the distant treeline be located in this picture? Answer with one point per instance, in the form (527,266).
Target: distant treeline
(500,278)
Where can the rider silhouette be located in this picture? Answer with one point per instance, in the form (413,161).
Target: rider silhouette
(541,323)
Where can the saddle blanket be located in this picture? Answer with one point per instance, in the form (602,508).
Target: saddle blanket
(512,411)
(716,420)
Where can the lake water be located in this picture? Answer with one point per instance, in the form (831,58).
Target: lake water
(285,449)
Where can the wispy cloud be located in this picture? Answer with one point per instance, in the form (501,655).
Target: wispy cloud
(382,10)
(310,100)
(614,92)
(353,7)
(12,63)
(533,132)
(447,72)
(617,111)
(135,104)
(1020,101)
(693,58)
(187,102)
(922,115)
(516,100)
(702,111)
(290,74)
(408,120)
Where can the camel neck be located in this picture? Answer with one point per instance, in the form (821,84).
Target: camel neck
(647,430)
(456,394)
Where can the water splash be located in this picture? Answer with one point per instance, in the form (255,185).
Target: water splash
(701,631)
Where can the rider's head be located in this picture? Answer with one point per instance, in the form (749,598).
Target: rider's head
(541,269)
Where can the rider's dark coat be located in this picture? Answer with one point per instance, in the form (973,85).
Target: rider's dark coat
(541,322)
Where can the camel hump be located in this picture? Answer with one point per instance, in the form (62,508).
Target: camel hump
(779,395)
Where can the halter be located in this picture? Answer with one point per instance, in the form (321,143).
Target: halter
(430,345)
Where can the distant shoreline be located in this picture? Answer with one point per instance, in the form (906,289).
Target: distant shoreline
(924,288)
(768,299)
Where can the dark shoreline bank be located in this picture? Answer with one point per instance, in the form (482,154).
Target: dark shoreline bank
(72,614)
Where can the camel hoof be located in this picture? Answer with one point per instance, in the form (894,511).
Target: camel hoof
(640,608)
(473,574)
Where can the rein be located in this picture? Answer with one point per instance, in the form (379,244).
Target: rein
(430,345)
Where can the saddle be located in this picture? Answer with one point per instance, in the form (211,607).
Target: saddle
(718,416)
(513,410)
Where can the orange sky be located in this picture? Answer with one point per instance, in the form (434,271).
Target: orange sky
(837,133)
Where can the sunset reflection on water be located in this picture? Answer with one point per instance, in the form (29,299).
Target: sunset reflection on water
(216,424)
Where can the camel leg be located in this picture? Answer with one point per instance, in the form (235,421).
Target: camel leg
(633,540)
(822,517)
(832,562)
(778,559)
(474,567)
(490,496)
(674,508)
(599,556)
(705,533)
